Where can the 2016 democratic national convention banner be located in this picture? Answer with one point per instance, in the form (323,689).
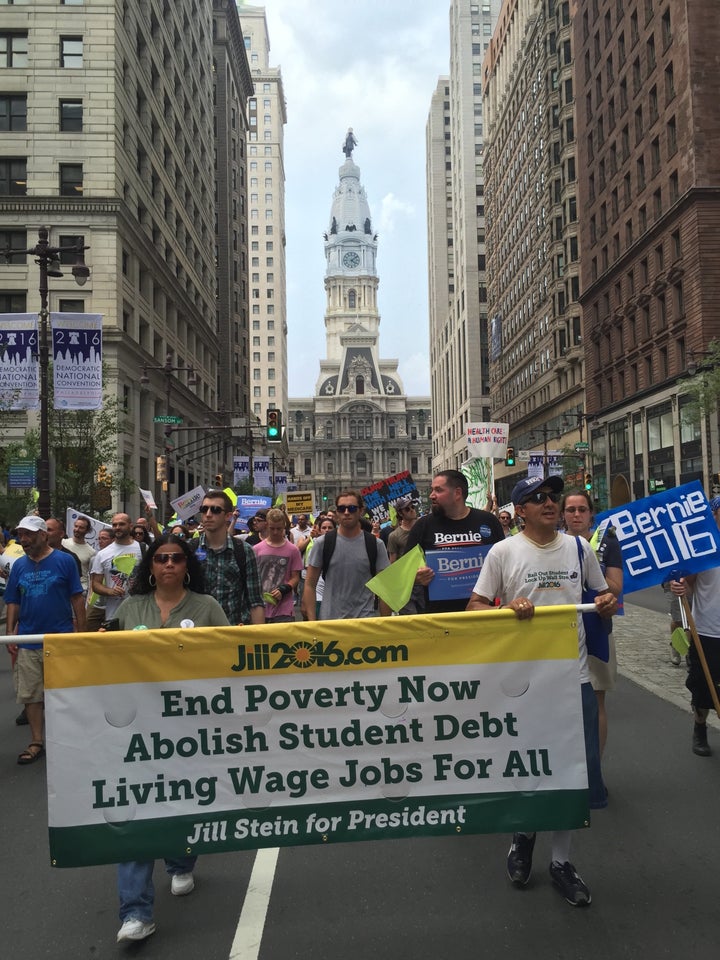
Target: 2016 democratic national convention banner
(666,536)
(197,741)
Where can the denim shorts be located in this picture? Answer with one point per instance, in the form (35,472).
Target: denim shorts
(598,794)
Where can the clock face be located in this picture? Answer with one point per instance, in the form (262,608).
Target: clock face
(351,259)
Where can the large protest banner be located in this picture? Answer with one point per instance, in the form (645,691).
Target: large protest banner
(169,741)
(665,536)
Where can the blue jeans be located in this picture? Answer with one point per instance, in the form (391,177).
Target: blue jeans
(135,885)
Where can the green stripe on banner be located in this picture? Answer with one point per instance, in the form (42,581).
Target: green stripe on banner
(320,823)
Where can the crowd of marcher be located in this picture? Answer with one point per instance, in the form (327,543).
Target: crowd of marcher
(204,572)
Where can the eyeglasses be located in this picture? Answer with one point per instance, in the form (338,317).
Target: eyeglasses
(347,508)
(540,497)
(577,509)
(211,508)
(175,557)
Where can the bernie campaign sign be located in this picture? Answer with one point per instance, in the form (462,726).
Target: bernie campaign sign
(666,536)
(235,738)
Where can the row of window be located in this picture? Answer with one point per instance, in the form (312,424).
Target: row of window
(14,51)
(13,114)
(13,178)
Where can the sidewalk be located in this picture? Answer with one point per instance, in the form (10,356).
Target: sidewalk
(643,651)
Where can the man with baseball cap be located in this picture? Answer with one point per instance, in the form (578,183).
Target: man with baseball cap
(43,595)
(541,567)
(704,588)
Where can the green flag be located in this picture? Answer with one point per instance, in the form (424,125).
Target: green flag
(394,584)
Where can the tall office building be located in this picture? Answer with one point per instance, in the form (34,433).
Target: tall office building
(533,263)
(359,427)
(266,210)
(107,117)
(460,384)
(649,179)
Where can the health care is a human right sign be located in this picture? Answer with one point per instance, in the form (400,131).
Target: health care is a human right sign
(169,742)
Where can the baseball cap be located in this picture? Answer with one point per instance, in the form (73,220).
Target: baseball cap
(260,515)
(33,523)
(404,502)
(715,504)
(529,485)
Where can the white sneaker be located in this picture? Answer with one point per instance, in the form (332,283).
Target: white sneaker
(182,884)
(135,930)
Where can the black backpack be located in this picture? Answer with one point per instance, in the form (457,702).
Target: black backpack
(329,548)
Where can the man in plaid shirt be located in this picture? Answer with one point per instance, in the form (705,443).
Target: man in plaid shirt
(237,591)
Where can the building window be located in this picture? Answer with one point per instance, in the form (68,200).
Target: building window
(13,112)
(69,257)
(12,301)
(13,49)
(13,240)
(71,116)
(71,53)
(71,306)
(307,467)
(71,179)
(13,176)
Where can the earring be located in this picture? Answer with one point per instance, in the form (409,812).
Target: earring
(186,579)
(151,580)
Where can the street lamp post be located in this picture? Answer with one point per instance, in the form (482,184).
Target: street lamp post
(47,259)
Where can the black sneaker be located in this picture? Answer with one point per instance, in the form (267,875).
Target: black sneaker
(519,858)
(565,878)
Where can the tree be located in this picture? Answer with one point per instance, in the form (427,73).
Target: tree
(703,389)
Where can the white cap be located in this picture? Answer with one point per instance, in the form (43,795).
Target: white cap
(33,523)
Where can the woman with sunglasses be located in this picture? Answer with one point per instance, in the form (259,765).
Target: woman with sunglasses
(577,512)
(168,591)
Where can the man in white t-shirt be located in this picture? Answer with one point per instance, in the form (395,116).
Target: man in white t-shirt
(82,550)
(542,567)
(111,568)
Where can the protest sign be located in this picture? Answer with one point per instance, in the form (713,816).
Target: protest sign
(478,472)
(148,497)
(208,740)
(188,504)
(487,439)
(96,526)
(300,501)
(379,495)
(456,571)
(665,536)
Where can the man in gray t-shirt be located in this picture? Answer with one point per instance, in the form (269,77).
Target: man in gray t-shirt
(345,596)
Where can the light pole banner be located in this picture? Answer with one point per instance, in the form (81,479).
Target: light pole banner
(241,470)
(281,483)
(77,360)
(19,364)
(261,473)
(217,739)
(487,439)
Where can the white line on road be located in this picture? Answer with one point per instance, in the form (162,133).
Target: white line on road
(246,944)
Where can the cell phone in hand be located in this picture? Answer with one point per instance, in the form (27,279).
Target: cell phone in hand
(112,624)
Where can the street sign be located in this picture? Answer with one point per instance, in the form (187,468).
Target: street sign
(175,420)
(582,446)
(21,473)
(526,454)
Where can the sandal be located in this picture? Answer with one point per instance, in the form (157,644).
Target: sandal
(30,755)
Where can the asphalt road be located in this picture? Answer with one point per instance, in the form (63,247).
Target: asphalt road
(649,860)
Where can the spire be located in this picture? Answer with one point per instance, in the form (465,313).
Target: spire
(350,241)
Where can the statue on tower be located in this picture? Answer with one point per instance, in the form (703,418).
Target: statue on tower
(350,143)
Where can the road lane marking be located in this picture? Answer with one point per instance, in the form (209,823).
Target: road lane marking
(246,943)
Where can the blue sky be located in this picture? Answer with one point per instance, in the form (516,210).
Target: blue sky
(372,66)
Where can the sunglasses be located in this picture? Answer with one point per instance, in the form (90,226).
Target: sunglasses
(347,508)
(211,508)
(175,557)
(577,510)
(540,497)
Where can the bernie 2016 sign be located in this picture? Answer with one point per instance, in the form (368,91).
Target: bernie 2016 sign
(238,738)
(666,536)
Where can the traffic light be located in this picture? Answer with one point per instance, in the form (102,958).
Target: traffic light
(161,468)
(219,481)
(273,428)
(510,457)
(588,481)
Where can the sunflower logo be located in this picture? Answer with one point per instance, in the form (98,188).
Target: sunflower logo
(303,655)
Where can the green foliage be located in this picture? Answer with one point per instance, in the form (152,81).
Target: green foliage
(704,388)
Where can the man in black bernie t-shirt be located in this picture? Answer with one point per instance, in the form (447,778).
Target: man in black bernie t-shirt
(450,524)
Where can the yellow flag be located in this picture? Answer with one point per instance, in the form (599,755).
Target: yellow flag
(394,584)
(231,493)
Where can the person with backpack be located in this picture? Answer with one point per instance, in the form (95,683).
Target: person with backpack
(346,559)
(231,571)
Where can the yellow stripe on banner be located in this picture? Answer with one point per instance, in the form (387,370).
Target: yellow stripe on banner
(157,656)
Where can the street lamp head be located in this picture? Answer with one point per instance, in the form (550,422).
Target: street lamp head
(144,378)
(81,272)
(192,378)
